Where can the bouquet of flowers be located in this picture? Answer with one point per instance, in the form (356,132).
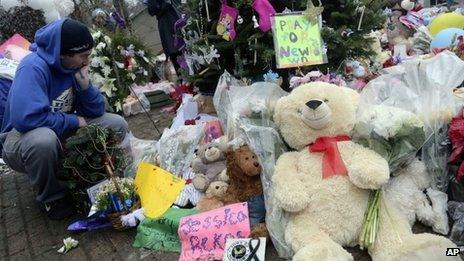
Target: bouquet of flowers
(107,198)
(394,133)
(117,62)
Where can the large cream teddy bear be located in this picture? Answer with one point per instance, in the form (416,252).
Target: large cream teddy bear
(325,185)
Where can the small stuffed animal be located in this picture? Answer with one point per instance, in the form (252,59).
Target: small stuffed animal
(214,196)
(209,165)
(397,32)
(406,5)
(244,171)
(188,194)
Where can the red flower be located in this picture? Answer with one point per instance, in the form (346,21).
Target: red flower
(178,92)
(190,122)
(461,43)
(389,63)
(456,135)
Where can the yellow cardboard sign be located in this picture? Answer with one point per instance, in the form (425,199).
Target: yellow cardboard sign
(297,41)
(157,189)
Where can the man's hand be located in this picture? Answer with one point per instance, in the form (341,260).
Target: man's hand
(83,78)
(82,122)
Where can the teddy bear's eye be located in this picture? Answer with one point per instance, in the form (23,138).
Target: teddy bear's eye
(253,157)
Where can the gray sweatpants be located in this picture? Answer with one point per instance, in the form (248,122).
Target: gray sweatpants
(37,154)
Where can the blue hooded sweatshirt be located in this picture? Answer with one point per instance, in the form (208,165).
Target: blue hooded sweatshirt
(44,94)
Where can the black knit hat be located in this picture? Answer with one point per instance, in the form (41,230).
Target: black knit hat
(75,37)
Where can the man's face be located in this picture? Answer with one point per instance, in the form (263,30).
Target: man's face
(75,61)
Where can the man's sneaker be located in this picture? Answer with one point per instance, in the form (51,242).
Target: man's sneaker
(58,209)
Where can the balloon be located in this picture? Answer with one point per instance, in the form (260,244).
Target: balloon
(445,38)
(444,21)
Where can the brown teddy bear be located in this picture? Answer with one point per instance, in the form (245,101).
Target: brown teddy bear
(245,185)
(213,196)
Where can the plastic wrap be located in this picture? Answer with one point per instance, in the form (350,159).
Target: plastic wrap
(456,188)
(140,150)
(423,86)
(456,211)
(268,146)
(177,147)
(256,103)
(222,99)
(246,112)
(252,104)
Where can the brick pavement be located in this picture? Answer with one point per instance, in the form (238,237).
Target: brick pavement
(26,233)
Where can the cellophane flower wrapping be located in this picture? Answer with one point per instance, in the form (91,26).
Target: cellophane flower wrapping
(396,134)
(422,86)
(246,113)
(177,148)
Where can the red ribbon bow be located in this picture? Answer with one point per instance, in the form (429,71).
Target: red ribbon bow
(332,163)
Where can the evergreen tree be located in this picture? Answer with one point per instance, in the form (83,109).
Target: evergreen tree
(344,39)
(251,54)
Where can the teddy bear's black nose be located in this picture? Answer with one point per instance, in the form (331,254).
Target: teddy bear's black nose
(256,164)
(313,104)
(217,187)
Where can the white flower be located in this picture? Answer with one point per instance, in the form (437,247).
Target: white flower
(105,85)
(69,243)
(107,39)
(106,71)
(118,106)
(108,87)
(96,35)
(99,61)
(120,65)
(95,62)
(100,46)
(132,76)
(387,121)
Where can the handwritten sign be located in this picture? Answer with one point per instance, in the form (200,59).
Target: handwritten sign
(297,42)
(157,189)
(161,234)
(204,236)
